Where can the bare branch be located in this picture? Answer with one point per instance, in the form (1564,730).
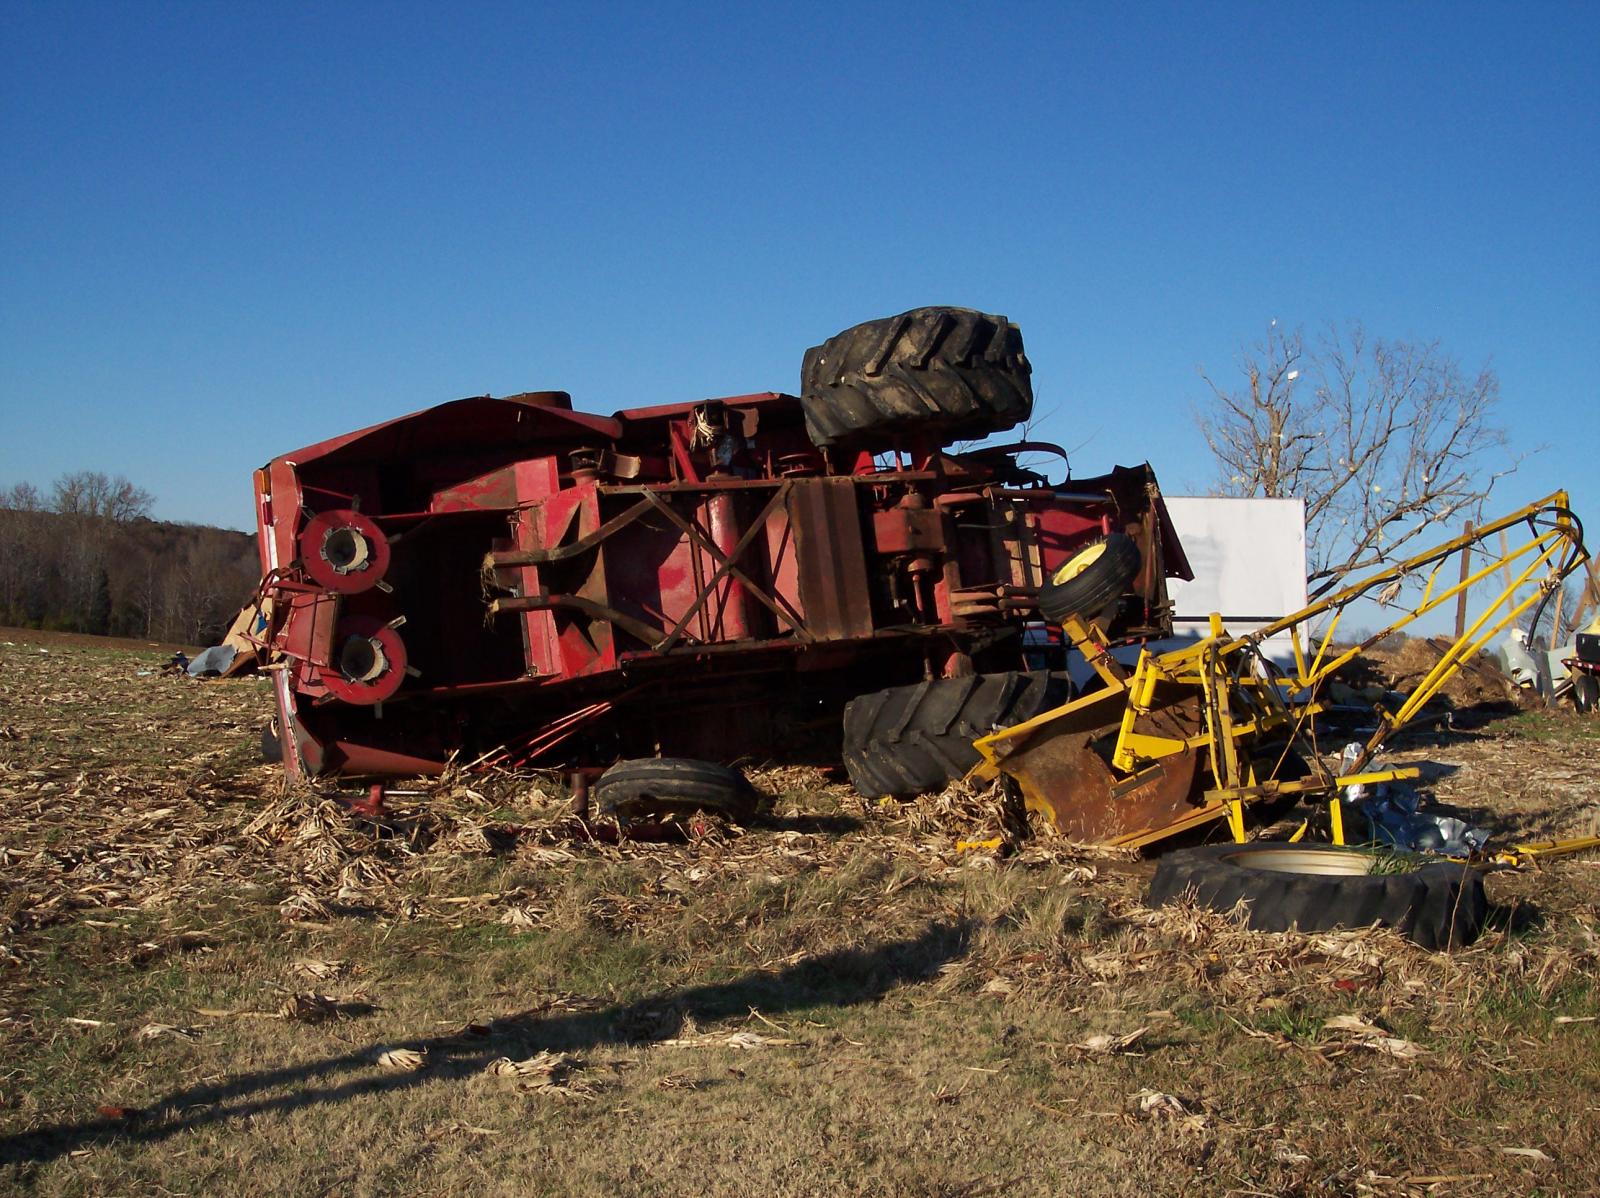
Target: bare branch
(1381,439)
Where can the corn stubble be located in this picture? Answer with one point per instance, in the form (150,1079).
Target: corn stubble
(476,995)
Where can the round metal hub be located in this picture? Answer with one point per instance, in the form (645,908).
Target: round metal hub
(362,659)
(346,550)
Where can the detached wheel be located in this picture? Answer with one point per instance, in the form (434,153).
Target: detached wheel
(1091,580)
(952,371)
(660,786)
(910,739)
(1318,888)
(1585,692)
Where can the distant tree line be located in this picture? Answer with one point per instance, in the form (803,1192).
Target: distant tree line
(86,557)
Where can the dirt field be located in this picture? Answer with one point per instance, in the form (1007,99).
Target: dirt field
(209,985)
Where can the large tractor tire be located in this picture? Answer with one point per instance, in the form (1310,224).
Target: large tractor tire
(951,371)
(907,740)
(1320,887)
(651,787)
(1091,581)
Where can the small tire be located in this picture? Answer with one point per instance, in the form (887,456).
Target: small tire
(1317,888)
(953,371)
(661,786)
(1091,580)
(908,740)
(1585,692)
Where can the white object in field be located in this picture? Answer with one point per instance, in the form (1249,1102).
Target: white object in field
(1515,660)
(1249,561)
(1554,677)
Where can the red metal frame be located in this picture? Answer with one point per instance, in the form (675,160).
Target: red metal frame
(507,578)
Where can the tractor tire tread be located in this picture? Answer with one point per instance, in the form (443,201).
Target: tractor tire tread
(661,785)
(1097,587)
(1438,905)
(907,740)
(953,371)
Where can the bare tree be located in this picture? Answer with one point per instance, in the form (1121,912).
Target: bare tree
(204,584)
(22,497)
(22,562)
(1381,439)
(91,493)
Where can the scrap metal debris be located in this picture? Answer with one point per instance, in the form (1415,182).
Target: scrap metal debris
(1168,1108)
(320,969)
(1397,816)
(155,1031)
(745,1041)
(1104,1044)
(308,1008)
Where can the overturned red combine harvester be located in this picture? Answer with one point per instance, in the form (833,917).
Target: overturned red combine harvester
(511,581)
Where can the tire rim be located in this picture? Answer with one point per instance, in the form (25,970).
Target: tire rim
(1324,862)
(362,659)
(1078,563)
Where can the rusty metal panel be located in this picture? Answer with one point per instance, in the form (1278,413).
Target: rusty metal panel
(831,558)
(1064,776)
(782,571)
(908,530)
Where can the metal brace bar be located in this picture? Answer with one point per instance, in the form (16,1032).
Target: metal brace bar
(541,557)
(727,566)
(700,540)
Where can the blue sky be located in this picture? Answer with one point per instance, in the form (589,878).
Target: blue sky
(230,230)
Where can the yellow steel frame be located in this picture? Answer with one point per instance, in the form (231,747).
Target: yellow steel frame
(1237,704)
(1551,527)
(1533,853)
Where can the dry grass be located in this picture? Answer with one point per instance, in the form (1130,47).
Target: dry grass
(209,985)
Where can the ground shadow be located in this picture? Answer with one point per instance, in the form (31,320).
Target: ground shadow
(845,978)
(812,825)
(1517,918)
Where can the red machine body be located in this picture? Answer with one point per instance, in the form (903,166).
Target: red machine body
(513,581)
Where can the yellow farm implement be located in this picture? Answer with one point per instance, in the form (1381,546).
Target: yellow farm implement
(1203,732)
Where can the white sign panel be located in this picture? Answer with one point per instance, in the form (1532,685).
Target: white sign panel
(1249,560)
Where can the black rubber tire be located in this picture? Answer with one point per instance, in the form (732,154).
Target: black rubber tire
(1438,905)
(1101,583)
(658,786)
(907,740)
(271,744)
(1585,692)
(953,371)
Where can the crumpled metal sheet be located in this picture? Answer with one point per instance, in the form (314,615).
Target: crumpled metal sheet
(1394,817)
(214,660)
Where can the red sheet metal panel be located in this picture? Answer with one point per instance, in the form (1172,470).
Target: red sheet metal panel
(830,558)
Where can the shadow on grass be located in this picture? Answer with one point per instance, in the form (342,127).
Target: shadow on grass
(841,979)
(1443,723)
(1517,919)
